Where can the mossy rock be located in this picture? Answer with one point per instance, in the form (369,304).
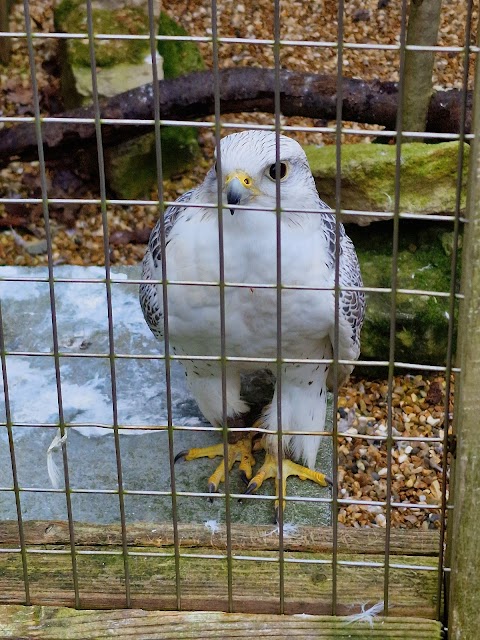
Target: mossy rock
(131,166)
(423,263)
(428,177)
(71,17)
(121,64)
(132,171)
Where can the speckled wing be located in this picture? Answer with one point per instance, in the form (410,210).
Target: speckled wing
(150,301)
(351,309)
(351,303)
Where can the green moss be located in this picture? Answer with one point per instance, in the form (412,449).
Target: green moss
(63,10)
(71,17)
(428,176)
(179,57)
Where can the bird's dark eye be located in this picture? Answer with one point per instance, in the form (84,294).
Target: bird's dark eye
(272,172)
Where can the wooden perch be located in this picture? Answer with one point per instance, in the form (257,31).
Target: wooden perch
(241,90)
(203,568)
(244,537)
(45,623)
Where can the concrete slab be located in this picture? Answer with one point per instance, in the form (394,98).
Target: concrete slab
(86,395)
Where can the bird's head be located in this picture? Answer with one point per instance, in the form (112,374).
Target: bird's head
(249,171)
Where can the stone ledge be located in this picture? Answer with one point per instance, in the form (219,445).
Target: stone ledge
(428,177)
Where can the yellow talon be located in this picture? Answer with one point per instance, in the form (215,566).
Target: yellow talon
(204,452)
(269,469)
(240,451)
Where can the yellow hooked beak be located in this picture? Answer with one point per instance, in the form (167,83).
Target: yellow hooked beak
(239,186)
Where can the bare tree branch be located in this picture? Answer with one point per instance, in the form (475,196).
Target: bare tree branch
(242,90)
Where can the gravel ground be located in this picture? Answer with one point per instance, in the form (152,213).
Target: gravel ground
(416,467)
(418,402)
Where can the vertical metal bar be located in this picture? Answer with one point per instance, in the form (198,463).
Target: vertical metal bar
(56,357)
(336,334)
(278,213)
(108,288)
(393,306)
(11,445)
(221,292)
(451,324)
(166,333)
(464,617)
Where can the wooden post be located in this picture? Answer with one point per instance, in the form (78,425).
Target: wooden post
(5,44)
(464,603)
(423,23)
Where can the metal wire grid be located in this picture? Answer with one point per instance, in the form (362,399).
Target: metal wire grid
(112,355)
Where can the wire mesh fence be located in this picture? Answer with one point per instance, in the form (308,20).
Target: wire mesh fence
(385,568)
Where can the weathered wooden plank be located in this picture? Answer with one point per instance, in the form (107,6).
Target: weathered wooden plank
(308,582)
(46,623)
(244,537)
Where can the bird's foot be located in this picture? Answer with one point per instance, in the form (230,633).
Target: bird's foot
(240,451)
(270,469)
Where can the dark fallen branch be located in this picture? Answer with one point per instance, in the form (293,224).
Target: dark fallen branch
(241,90)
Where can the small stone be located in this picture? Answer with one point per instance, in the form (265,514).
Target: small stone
(361,15)
(434,395)
(436,490)
(381,520)
(383,472)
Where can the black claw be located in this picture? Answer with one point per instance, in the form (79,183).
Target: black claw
(211,489)
(328,481)
(251,488)
(182,454)
(275,519)
(243,477)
